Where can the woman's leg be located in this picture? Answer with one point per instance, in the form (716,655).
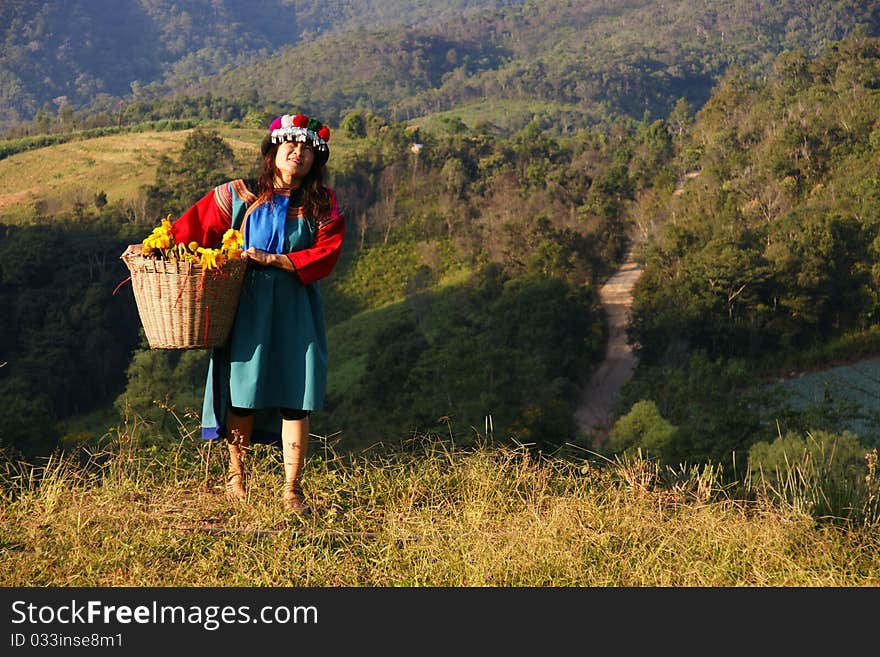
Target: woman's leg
(295,445)
(238,435)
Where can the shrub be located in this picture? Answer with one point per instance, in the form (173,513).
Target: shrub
(641,428)
(824,474)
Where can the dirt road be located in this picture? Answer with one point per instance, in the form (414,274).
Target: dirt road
(593,414)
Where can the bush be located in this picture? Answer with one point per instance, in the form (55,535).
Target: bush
(824,474)
(643,428)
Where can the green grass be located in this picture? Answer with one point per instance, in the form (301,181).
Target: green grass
(349,342)
(423,514)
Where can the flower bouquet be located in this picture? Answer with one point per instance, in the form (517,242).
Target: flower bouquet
(186,295)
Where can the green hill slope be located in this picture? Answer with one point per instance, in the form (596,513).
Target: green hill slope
(604,58)
(766,261)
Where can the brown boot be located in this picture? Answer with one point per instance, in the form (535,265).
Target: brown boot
(236,476)
(294,444)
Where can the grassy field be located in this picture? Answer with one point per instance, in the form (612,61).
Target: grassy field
(118,165)
(423,514)
(58,176)
(852,390)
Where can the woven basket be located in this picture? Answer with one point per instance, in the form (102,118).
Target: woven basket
(181,304)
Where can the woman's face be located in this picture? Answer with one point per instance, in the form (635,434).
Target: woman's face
(293,161)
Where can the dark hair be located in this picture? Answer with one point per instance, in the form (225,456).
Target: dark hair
(316,198)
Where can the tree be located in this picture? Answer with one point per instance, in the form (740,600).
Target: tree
(27,422)
(206,160)
(454,178)
(681,118)
(643,428)
(354,126)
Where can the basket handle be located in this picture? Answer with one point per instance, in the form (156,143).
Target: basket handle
(130,250)
(120,285)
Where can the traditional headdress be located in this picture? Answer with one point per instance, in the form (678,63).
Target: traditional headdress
(300,128)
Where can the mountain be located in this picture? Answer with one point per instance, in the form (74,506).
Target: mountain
(61,52)
(584,61)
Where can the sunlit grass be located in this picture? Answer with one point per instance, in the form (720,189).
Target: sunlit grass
(425,513)
(60,175)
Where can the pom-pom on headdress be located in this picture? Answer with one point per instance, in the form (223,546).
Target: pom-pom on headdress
(300,128)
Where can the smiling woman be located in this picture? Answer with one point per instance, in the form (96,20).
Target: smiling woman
(264,383)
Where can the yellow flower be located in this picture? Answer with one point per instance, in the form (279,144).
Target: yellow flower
(211,258)
(157,240)
(160,244)
(232,239)
(161,237)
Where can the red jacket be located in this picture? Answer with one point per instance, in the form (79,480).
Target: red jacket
(210,217)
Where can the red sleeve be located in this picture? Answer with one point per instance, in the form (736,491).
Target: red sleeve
(318,260)
(207,220)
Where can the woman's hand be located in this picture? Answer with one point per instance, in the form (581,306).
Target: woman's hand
(265,259)
(257,256)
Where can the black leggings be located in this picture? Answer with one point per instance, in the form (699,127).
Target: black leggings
(286,413)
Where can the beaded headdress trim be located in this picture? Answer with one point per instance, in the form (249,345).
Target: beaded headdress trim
(300,128)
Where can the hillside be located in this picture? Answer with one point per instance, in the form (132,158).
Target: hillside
(70,53)
(117,165)
(61,54)
(586,61)
(417,270)
(766,263)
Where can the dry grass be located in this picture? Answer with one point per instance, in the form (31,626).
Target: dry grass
(423,515)
(118,165)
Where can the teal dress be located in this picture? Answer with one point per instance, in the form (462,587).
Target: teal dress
(276,356)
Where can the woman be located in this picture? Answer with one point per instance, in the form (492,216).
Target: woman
(272,373)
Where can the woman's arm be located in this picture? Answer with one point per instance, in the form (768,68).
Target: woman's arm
(317,261)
